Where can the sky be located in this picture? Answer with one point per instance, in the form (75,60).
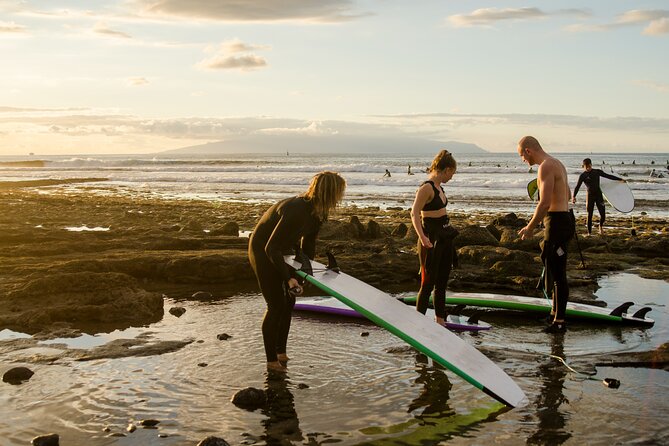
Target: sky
(141,76)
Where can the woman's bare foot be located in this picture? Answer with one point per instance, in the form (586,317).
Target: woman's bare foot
(282,357)
(276,366)
(440,321)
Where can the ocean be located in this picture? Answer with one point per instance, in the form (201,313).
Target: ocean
(494,182)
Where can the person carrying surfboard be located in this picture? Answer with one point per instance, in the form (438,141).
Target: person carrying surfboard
(289,224)
(553,210)
(594,196)
(435,235)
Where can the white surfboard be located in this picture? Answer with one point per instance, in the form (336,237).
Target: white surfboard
(618,194)
(421,332)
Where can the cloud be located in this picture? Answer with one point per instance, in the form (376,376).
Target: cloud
(101,28)
(662,87)
(454,120)
(237,46)
(314,128)
(655,22)
(226,57)
(246,62)
(253,11)
(490,16)
(137,81)
(657,27)
(11,28)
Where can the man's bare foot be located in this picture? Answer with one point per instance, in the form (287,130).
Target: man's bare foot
(440,321)
(601,230)
(276,366)
(282,357)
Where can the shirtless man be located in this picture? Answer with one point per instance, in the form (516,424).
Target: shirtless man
(553,210)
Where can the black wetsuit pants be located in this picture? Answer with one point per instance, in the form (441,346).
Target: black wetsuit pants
(591,201)
(435,264)
(280,303)
(559,231)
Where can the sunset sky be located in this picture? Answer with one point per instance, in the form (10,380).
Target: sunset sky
(141,76)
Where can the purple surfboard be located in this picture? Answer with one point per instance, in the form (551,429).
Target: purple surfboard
(335,307)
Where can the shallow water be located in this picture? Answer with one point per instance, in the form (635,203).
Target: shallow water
(343,387)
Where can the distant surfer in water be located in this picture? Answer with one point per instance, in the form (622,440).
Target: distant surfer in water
(553,210)
(293,222)
(435,235)
(387,174)
(594,197)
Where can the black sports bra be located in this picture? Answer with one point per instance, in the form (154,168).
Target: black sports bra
(435,204)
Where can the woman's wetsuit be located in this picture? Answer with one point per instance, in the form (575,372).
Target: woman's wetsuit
(594,195)
(279,231)
(559,229)
(435,262)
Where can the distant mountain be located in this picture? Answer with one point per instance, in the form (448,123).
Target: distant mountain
(326,144)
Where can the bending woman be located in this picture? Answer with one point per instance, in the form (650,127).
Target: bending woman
(435,235)
(290,223)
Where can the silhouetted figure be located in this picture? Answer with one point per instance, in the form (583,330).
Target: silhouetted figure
(387,174)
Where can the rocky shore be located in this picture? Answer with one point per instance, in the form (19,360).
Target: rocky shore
(90,262)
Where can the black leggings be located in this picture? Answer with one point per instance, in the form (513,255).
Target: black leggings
(591,201)
(280,303)
(559,230)
(435,264)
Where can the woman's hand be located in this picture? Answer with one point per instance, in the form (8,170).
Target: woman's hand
(294,286)
(425,241)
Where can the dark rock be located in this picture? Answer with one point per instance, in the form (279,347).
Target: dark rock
(400,230)
(177,311)
(230,228)
(355,221)
(364,333)
(302,386)
(223,337)
(475,235)
(249,399)
(17,375)
(149,422)
(494,231)
(510,220)
(213,441)
(373,230)
(46,440)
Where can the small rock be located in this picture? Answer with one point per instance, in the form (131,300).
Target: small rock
(131,428)
(249,398)
(17,375)
(213,441)
(177,311)
(302,386)
(202,364)
(223,337)
(46,440)
(364,333)
(149,422)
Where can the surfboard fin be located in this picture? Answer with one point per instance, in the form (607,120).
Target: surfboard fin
(474,318)
(621,309)
(301,257)
(457,309)
(332,263)
(641,314)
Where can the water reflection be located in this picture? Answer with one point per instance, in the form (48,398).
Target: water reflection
(551,428)
(281,425)
(434,396)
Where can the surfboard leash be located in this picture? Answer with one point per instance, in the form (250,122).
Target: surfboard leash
(611,383)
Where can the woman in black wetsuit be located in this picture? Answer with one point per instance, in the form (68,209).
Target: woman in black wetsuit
(293,222)
(435,235)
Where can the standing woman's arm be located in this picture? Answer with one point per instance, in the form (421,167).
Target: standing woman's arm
(423,196)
